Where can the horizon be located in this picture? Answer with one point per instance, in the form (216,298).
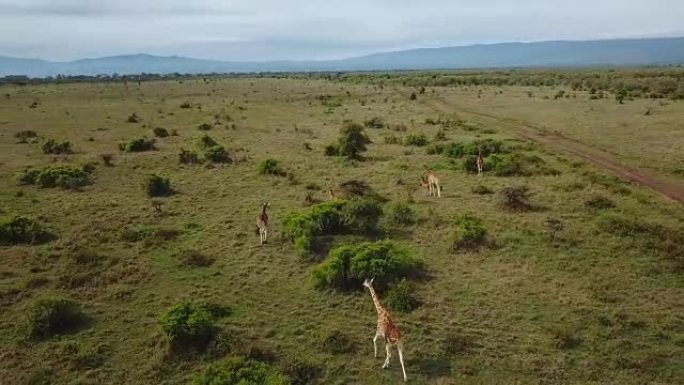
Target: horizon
(303,30)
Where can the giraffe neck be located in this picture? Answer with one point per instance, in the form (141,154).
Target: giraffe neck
(376,300)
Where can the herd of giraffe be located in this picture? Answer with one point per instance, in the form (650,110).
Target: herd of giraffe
(386,328)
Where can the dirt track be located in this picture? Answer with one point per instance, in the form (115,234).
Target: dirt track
(648,178)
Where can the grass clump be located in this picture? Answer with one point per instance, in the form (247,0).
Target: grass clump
(51,146)
(188,157)
(188,325)
(348,265)
(400,296)
(58,176)
(469,234)
(157,186)
(271,167)
(161,132)
(515,199)
(52,316)
(517,165)
(21,230)
(401,214)
(137,145)
(217,154)
(241,371)
(418,140)
(599,202)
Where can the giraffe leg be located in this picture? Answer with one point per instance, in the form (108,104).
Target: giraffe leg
(375,344)
(389,354)
(400,349)
(439,191)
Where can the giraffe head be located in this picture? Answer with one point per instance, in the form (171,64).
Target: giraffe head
(368,282)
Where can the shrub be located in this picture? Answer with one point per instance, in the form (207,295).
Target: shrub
(270,167)
(25,135)
(137,145)
(240,371)
(348,265)
(133,118)
(470,164)
(188,157)
(21,230)
(161,132)
(157,186)
(188,325)
(186,104)
(53,147)
(217,154)
(205,127)
(352,142)
(375,122)
(57,176)
(418,140)
(207,141)
(482,190)
(360,216)
(401,214)
(337,342)
(469,233)
(400,296)
(435,149)
(515,199)
(413,96)
(599,202)
(52,316)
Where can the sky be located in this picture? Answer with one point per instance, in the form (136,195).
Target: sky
(262,30)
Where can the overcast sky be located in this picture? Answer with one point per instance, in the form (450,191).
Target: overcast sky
(312,29)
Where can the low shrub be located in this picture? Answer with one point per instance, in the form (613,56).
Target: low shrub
(599,202)
(300,370)
(217,154)
(516,199)
(157,186)
(417,140)
(401,214)
(348,265)
(22,230)
(188,325)
(51,316)
(137,145)
(440,135)
(133,118)
(188,157)
(482,190)
(186,104)
(58,176)
(53,147)
(240,371)
(337,342)
(25,136)
(271,167)
(361,216)
(469,234)
(207,141)
(161,132)
(400,296)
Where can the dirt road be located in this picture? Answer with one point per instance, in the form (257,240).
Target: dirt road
(659,183)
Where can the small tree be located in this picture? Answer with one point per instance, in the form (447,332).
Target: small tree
(353,141)
(620,96)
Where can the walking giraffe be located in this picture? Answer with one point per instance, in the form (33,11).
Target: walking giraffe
(262,224)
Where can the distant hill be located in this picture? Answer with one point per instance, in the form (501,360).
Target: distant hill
(623,52)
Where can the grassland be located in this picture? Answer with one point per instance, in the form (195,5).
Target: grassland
(600,301)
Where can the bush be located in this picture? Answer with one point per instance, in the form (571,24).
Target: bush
(518,165)
(21,230)
(25,135)
(186,104)
(348,265)
(599,202)
(52,316)
(418,140)
(188,157)
(157,186)
(217,154)
(337,342)
(271,167)
(469,233)
(52,147)
(401,214)
(361,216)
(137,145)
(205,127)
(375,122)
(482,190)
(57,176)
(188,325)
(400,296)
(207,141)
(240,371)
(515,199)
(352,142)
(470,164)
(413,96)
(161,132)
(133,118)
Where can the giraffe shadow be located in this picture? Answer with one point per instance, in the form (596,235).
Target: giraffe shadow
(431,366)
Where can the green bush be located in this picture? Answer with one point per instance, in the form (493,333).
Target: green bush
(353,141)
(271,167)
(348,265)
(21,230)
(57,176)
(188,157)
(188,325)
(418,140)
(207,141)
(375,122)
(51,316)
(137,145)
(240,371)
(361,216)
(160,132)
(401,214)
(400,296)
(157,186)
(53,147)
(217,154)
(469,233)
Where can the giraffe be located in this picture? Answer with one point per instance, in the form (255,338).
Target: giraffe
(480,162)
(386,329)
(262,224)
(434,187)
(424,184)
(332,195)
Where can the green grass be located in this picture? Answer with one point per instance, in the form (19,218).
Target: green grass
(601,300)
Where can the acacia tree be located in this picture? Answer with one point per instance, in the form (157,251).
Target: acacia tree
(353,141)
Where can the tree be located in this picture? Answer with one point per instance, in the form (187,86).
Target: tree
(353,141)
(621,95)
